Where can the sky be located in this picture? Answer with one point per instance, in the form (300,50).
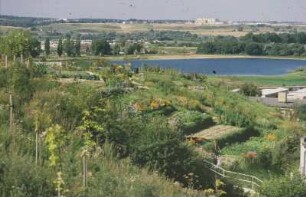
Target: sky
(230,10)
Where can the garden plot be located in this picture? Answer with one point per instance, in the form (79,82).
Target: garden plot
(215,132)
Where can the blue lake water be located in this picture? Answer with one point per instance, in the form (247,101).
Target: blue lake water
(237,66)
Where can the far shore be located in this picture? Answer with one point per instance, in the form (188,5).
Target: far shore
(174,57)
(196,56)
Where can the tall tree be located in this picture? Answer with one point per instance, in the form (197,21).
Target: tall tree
(60,47)
(68,46)
(34,47)
(47,46)
(78,46)
(17,43)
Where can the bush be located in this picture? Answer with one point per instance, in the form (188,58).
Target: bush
(20,176)
(192,121)
(250,89)
(175,160)
(292,185)
(240,136)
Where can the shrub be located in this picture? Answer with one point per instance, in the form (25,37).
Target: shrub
(192,121)
(250,89)
(241,136)
(292,185)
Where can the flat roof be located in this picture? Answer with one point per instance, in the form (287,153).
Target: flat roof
(273,91)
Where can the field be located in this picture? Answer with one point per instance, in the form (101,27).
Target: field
(6,29)
(208,30)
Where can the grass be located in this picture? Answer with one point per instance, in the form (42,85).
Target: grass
(291,79)
(6,29)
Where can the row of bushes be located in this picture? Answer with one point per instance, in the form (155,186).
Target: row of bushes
(251,48)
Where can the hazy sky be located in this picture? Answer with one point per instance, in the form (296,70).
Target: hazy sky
(280,10)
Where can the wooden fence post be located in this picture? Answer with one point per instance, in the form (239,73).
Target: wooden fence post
(6,66)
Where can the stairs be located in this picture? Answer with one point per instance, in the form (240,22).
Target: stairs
(249,183)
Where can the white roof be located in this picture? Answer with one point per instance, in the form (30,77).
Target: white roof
(273,91)
(301,90)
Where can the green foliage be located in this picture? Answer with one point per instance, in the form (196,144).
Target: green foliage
(55,140)
(134,49)
(300,112)
(78,46)
(47,46)
(175,160)
(225,47)
(114,177)
(133,112)
(237,137)
(39,70)
(253,49)
(68,47)
(101,47)
(60,47)
(192,121)
(19,176)
(250,89)
(18,43)
(34,48)
(290,185)
(299,38)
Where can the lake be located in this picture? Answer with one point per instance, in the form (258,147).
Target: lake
(227,66)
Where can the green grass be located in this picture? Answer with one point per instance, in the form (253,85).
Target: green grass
(297,78)
(291,79)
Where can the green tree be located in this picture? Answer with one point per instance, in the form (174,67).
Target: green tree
(17,43)
(47,46)
(253,49)
(78,46)
(69,47)
(34,47)
(55,141)
(134,48)
(207,48)
(60,47)
(101,47)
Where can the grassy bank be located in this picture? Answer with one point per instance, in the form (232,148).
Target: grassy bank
(172,57)
(291,79)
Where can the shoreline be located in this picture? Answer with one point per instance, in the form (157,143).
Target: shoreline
(197,56)
(173,57)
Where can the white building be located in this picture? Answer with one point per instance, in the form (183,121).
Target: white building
(297,95)
(207,21)
(272,92)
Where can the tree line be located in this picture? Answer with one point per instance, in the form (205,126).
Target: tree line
(261,44)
